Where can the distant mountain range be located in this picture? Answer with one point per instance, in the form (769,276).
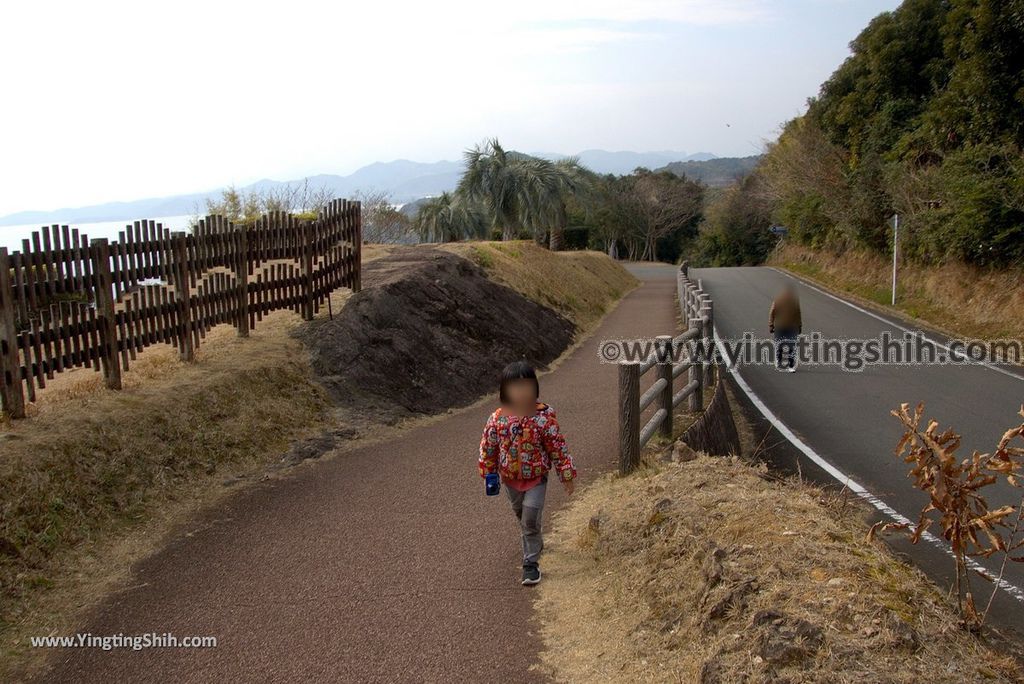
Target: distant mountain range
(623,163)
(716,173)
(405,180)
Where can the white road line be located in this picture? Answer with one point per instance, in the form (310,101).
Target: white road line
(851,484)
(894,324)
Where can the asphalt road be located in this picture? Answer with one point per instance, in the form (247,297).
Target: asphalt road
(843,416)
(384,564)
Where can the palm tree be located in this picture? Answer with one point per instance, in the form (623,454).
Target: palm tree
(569,178)
(520,191)
(491,178)
(540,194)
(448,218)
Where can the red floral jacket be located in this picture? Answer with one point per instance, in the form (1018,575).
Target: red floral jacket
(525,447)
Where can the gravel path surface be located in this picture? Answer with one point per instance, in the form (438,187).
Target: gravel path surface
(385,564)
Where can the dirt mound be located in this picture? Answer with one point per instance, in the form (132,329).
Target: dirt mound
(429,331)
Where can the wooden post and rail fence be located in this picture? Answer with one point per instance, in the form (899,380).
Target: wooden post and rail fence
(67,301)
(696,313)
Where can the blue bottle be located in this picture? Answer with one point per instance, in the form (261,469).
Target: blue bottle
(493,484)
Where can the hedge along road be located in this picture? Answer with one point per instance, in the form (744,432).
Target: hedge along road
(840,420)
(385,564)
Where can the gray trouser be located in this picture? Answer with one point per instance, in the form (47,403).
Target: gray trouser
(528,507)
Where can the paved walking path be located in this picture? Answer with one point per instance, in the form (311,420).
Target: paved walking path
(383,564)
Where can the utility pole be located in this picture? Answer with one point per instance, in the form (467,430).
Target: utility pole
(895,252)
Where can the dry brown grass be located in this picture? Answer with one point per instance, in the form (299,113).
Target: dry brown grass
(955,298)
(711,571)
(94,478)
(581,285)
(92,463)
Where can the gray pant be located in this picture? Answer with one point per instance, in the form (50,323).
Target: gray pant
(528,507)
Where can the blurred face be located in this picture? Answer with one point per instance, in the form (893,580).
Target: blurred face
(520,393)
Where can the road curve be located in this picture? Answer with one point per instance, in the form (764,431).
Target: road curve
(385,564)
(844,416)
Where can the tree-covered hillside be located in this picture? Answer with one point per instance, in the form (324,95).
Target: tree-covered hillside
(719,172)
(924,119)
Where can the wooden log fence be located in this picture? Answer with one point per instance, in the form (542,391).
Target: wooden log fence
(70,302)
(695,311)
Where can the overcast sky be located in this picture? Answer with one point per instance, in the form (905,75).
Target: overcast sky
(116,101)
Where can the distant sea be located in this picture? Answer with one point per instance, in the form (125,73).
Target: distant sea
(11,236)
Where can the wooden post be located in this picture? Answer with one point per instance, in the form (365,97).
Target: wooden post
(681,295)
(182,291)
(709,335)
(242,281)
(357,209)
(665,373)
(696,373)
(12,393)
(103,283)
(306,254)
(629,417)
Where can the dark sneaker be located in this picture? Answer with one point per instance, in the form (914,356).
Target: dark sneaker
(531,574)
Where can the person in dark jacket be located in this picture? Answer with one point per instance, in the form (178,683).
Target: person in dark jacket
(785,324)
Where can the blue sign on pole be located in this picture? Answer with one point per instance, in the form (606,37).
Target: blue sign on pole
(778,230)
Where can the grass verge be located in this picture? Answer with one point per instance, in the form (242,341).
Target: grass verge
(91,464)
(713,571)
(954,298)
(580,285)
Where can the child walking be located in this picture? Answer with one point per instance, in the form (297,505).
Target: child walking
(521,443)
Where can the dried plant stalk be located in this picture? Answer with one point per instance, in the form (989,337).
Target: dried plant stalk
(957,502)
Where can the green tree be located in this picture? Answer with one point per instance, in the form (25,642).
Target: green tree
(302,199)
(923,119)
(614,214)
(235,205)
(983,96)
(897,63)
(571,181)
(448,218)
(504,182)
(735,227)
(520,192)
(670,209)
